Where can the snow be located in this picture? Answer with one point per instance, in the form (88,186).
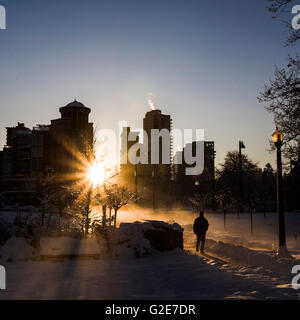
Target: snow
(169,275)
(128,240)
(242,255)
(284,253)
(164,225)
(264,230)
(16,249)
(9,216)
(246,267)
(68,247)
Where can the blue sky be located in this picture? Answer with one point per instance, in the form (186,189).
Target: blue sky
(204,61)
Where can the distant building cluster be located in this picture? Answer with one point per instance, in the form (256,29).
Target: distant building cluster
(28,153)
(59,146)
(160,184)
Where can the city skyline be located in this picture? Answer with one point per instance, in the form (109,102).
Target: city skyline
(150,154)
(112,56)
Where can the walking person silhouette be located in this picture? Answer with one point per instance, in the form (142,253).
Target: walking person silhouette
(200,228)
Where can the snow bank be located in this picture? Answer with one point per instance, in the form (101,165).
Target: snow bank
(128,240)
(141,238)
(243,255)
(5,233)
(165,226)
(55,247)
(16,249)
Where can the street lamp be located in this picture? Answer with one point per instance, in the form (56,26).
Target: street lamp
(153,188)
(277,137)
(241,146)
(136,181)
(212,161)
(197,195)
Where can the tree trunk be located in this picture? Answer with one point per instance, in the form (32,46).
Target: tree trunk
(87,214)
(109,216)
(115,218)
(104,216)
(43,214)
(49,220)
(86,227)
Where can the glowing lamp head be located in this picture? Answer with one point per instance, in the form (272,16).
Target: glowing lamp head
(277,136)
(196,183)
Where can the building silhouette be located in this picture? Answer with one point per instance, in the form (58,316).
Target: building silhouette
(17,181)
(29,153)
(71,137)
(128,171)
(185,184)
(151,181)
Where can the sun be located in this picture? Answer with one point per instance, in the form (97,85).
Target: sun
(96,174)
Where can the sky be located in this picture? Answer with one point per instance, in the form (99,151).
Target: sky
(203,61)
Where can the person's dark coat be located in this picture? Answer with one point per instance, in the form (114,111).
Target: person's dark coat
(200,226)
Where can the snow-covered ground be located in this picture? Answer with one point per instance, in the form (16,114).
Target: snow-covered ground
(247,267)
(173,275)
(237,229)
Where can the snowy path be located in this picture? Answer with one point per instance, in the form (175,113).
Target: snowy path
(171,275)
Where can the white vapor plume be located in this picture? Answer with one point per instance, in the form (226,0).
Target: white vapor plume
(150,101)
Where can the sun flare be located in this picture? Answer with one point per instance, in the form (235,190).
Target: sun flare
(96,174)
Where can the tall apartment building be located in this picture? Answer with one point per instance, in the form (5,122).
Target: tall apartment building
(18,165)
(128,171)
(151,181)
(28,153)
(185,184)
(71,136)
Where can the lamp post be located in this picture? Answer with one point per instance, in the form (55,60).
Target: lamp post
(212,161)
(241,146)
(153,188)
(136,181)
(197,195)
(277,137)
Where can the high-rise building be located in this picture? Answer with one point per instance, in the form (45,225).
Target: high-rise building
(61,146)
(71,138)
(128,171)
(156,120)
(157,177)
(150,181)
(185,184)
(18,183)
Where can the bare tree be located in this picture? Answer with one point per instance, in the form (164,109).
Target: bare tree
(282,98)
(80,208)
(100,199)
(225,199)
(282,95)
(117,197)
(46,196)
(279,8)
(200,201)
